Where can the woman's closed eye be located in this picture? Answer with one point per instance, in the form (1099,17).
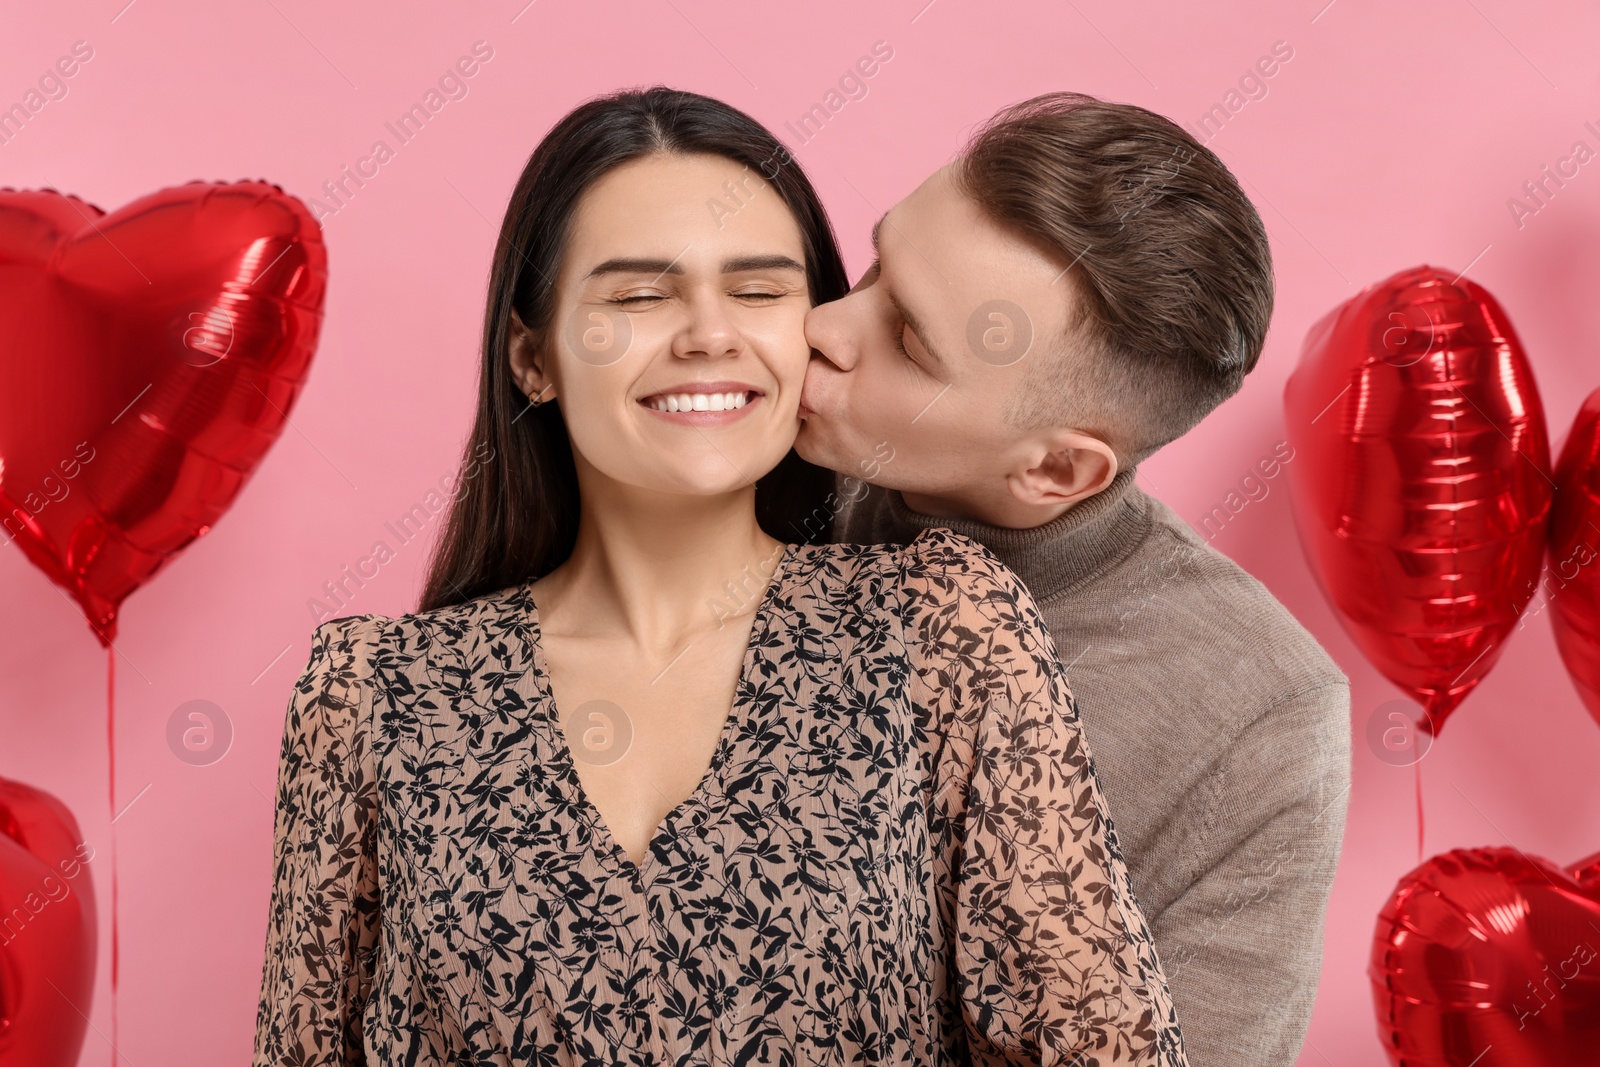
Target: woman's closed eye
(757,297)
(761,295)
(636,299)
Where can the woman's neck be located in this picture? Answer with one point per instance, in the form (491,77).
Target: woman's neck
(659,568)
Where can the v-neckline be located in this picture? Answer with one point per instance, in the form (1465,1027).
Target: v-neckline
(666,830)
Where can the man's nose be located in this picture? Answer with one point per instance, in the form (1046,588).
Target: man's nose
(827,332)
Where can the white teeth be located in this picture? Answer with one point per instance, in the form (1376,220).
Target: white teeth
(698,402)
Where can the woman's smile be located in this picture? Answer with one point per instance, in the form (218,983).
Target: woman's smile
(703,403)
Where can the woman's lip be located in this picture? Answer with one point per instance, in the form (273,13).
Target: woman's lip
(705,418)
(708,388)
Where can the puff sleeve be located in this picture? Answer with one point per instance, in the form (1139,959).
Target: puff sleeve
(323,923)
(1049,956)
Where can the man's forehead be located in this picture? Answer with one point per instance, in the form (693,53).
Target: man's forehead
(893,219)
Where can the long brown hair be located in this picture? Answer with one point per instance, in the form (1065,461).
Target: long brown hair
(514,515)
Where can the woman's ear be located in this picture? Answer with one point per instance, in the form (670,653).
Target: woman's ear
(527,360)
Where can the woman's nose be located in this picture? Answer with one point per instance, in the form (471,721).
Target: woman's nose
(709,330)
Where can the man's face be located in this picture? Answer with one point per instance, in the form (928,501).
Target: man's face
(920,357)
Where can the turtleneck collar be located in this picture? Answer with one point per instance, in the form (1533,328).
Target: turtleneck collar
(1057,557)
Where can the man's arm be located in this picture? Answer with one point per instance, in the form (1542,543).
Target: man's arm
(1242,946)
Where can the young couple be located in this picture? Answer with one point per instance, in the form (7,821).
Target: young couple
(701,750)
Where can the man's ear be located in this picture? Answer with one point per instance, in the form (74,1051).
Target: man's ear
(1062,466)
(527,359)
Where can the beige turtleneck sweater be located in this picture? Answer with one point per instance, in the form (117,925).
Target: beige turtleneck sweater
(1220,733)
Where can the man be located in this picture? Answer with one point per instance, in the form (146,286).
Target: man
(1083,285)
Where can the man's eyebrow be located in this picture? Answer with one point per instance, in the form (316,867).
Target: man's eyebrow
(876,226)
(658,267)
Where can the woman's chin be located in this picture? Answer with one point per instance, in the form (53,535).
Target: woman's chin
(725,470)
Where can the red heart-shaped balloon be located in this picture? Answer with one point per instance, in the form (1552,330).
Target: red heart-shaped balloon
(47,930)
(1573,581)
(1490,957)
(151,358)
(1421,478)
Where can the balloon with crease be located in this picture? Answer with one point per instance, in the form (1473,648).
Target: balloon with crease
(1421,483)
(47,930)
(151,358)
(1490,957)
(1572,582)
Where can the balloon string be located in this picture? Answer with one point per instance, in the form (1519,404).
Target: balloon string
(1418,766)
(111,779)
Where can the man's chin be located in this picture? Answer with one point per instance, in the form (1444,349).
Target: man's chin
(811,447)
(815,447)
(806,443)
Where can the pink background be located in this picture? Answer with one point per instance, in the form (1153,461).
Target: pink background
(1394,136)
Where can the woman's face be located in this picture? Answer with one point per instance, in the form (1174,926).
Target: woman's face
(677,347)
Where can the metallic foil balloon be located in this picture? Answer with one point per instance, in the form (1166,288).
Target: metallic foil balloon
(150,359)
(1573,580)
(47,930)
(1421,478)
(1490,957)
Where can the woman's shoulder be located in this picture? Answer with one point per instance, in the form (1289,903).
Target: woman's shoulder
(412,634)
(932,546)
(937,552)
(344,647)
(939,549)
(939,564)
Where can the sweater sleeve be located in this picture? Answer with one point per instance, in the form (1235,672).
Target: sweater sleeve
(1242,945)
(322,927)
(1048,952)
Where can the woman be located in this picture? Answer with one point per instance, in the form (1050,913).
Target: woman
(523,825)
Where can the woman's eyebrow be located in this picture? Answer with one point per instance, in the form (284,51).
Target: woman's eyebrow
(635,266)
(740,264)
(658,267)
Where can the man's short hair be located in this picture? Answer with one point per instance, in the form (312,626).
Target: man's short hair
(1170,265)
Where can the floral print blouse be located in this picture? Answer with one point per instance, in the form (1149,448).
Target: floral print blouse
(899,854)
